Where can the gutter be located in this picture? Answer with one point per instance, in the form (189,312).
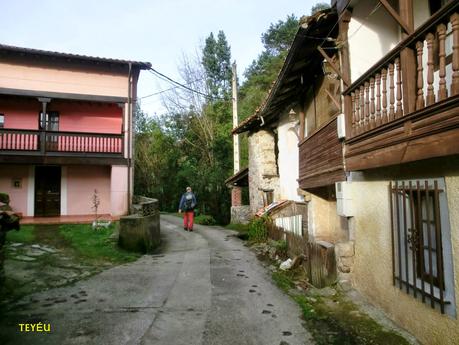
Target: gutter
(129,125)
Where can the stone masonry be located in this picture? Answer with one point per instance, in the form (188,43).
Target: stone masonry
(263,174)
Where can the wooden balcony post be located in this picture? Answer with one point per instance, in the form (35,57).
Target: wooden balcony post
(408,60)
(346,71)
(455,29)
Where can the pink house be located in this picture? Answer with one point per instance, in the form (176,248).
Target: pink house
(65,130)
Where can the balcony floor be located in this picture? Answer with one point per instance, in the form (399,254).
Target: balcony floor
(83,219)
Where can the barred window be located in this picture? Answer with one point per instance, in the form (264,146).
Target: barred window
(421,242)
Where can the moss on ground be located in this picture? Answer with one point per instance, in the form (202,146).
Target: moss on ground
(334,319)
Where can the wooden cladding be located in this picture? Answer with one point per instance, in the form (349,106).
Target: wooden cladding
(321,158)
(12,140)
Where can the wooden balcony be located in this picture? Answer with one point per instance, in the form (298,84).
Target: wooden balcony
(321,158)
(406,107)
(35,146)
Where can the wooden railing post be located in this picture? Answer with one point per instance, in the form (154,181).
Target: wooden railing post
(455,28)
(408,60)
(442,90)
(42,142)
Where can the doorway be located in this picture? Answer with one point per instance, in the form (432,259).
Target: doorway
(47,191)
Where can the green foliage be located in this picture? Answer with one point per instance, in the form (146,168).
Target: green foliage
(205,219)
(95,245)
(279,36)
(24,235)
(319,7)
(260,75)
(258,231)
(216,57)
(191,145)
(4,198)
(281,247)
(238,227)
(282,281)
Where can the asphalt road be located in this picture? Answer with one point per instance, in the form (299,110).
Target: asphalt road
(204,287)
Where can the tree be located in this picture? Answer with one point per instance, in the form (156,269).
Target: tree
(216,57)
(319,7)
(191,144)
(279,36)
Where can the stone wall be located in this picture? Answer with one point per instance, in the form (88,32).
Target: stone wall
(240,214)
(263,174)
(141,231)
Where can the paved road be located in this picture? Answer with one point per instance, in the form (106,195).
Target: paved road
(204,288)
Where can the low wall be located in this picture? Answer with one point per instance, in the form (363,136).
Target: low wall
(240,214)
(141,231)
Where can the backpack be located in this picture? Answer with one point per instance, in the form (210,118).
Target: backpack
(189,204)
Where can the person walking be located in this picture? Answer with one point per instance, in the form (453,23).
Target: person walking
(187,205)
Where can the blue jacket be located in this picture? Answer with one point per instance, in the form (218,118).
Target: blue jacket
(182,201)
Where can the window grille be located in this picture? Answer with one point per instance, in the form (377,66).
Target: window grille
(420,231)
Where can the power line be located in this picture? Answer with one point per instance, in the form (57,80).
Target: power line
(166,90)
(165,77)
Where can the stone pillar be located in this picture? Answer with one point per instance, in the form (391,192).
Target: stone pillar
(344,253)
(236,196)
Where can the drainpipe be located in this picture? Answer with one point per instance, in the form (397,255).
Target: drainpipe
(129,118)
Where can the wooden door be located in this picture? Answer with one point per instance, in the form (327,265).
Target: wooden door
(47,191)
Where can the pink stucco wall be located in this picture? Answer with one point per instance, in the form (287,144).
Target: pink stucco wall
(18,196)
(88,117)
(81,182)
(52,76)
(119,190)
(20,113)
(74,116)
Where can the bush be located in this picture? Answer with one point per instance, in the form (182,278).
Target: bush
(281,247)
(258,229)
(205,219)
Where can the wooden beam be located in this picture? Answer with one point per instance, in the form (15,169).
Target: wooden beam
(346,67)
(396,16)
(333,99)
(333,66)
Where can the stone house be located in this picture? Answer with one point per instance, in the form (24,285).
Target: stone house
(294,150)
(66,130)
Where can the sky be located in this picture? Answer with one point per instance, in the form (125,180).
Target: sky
(159,32)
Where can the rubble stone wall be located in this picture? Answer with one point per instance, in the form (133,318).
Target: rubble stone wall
(263,173)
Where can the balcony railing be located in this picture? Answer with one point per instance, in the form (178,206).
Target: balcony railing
(380,95)
(41,142)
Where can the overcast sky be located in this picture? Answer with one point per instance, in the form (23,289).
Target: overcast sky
(156,31)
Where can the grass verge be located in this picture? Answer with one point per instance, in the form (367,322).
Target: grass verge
(95,245)
(334,319)
(24,235)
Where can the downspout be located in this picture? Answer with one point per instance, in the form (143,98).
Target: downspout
(129,120)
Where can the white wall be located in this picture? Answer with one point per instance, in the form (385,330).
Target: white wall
(371,36)
(288,158)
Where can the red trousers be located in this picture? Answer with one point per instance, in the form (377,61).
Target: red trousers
(188,218)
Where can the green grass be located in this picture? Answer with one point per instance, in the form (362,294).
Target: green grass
(238,227)
(95,245)
(24,235)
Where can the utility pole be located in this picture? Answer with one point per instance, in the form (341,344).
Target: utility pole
(235,120)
